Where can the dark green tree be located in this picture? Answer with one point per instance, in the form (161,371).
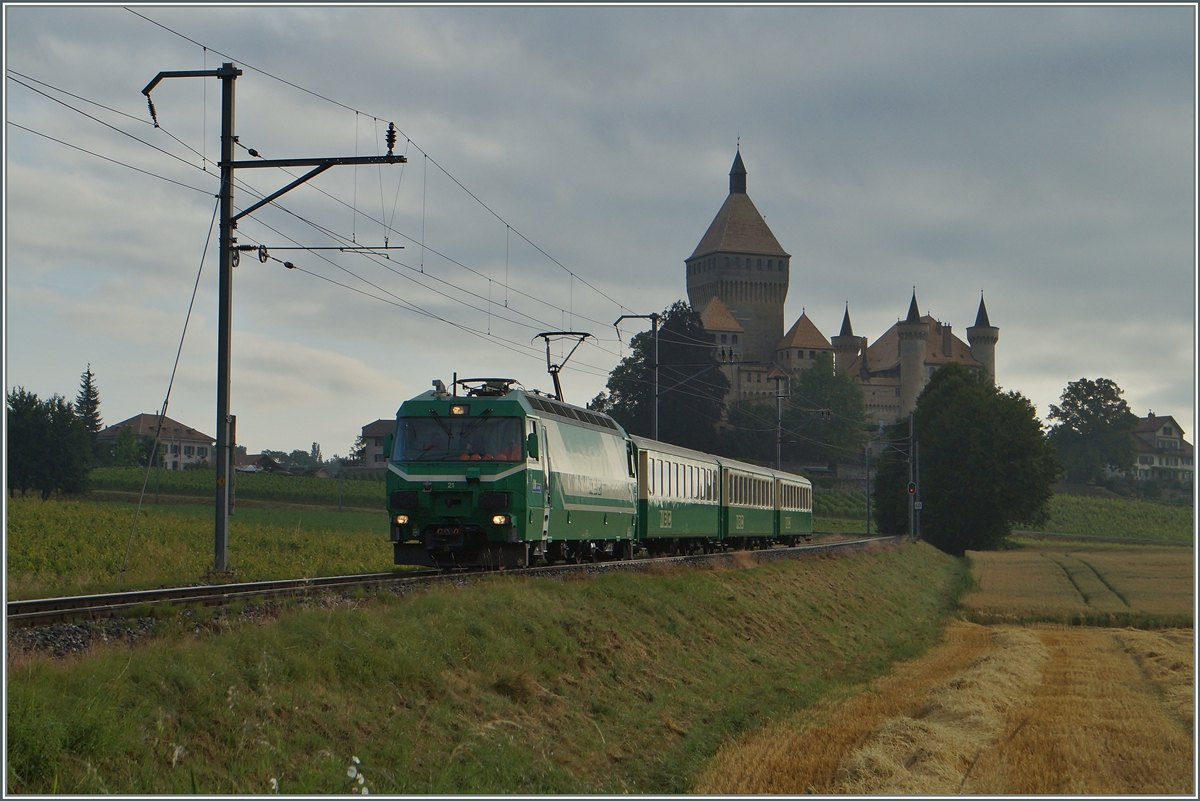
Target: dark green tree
(691,385)
(1094,430)
(126,452)
(824,419)
(47,446)
(87,409)
(26,425)
(985,463)
(889,493)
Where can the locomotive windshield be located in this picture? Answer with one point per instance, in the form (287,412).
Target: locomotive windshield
(442,439)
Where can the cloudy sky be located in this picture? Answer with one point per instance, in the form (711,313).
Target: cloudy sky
(562,163)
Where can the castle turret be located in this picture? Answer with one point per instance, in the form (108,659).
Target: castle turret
(739,261)
(983,336)
(845,345)
(912,333)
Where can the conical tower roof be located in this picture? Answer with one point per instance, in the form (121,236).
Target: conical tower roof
(981,318)
(803,334)
(914,316)
(716,317)
(847,329)
(738,226)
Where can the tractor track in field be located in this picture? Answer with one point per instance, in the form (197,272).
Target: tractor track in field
(74,623)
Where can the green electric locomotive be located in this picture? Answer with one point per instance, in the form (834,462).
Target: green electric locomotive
(501,477)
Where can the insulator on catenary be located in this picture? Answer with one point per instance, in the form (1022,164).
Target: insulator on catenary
(391,137)
(289,265)
(153,113)
(253,152)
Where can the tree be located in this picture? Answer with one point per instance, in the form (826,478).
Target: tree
(125,451)
(26,433)
(1094,430)
(691,385)
(47,445)
(825,420)
(87,409)
(358,450)
(985,463)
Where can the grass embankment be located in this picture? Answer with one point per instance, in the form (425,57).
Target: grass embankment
(78,547)
(619,683)
(365,492)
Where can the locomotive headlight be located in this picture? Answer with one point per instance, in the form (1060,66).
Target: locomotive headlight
(460,409)
(500,520)
(400,520)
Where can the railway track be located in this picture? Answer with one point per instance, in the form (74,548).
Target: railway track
(45,611)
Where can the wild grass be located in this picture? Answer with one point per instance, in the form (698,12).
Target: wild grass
(1143,587)
(59,547)
(621,683)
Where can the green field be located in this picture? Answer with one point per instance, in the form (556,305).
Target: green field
(622,683)
(77,547)
(1119,517)
(361,492)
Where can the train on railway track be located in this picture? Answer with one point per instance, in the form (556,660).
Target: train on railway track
(502,477)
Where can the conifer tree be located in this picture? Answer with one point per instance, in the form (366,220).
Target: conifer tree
(87,408)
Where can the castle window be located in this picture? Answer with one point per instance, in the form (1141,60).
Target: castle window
(722,337)
(812,354)
(726,262)
(799,354)
(1167,430)
(760,264)
(735,339)
(770,264)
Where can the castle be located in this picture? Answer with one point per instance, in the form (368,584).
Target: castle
(737,277)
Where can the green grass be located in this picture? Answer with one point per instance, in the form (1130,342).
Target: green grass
(365,492)
(1119,517)
(620,683)
(75,547)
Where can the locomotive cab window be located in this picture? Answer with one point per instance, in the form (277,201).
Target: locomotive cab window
(443,439)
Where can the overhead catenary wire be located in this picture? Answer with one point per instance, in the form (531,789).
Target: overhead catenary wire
(444,171)
(424,246)
(167,399)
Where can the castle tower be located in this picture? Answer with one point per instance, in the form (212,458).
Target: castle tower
(845,345)
(739,261)
(983,336)
(912,333)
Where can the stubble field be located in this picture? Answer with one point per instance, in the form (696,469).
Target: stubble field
(1096,706)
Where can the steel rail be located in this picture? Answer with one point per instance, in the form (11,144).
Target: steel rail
(49,610)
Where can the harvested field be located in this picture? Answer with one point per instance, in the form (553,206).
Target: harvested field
(1000,710)
(1143,587)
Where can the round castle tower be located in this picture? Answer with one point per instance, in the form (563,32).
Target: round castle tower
(912,333)
(739,261)
(982,337)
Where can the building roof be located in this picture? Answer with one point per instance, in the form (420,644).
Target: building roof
(1152,423)
(738,227)
(716,317)
(847,329)
(380,428)
(981,318)
(147,425)
(884,353)
(914,314)
(803,334)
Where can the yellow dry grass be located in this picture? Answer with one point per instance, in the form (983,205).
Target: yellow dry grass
(1150,587)
(1004,710)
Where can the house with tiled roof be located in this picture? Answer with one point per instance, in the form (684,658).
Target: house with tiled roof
(1162,452)
(182,445)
